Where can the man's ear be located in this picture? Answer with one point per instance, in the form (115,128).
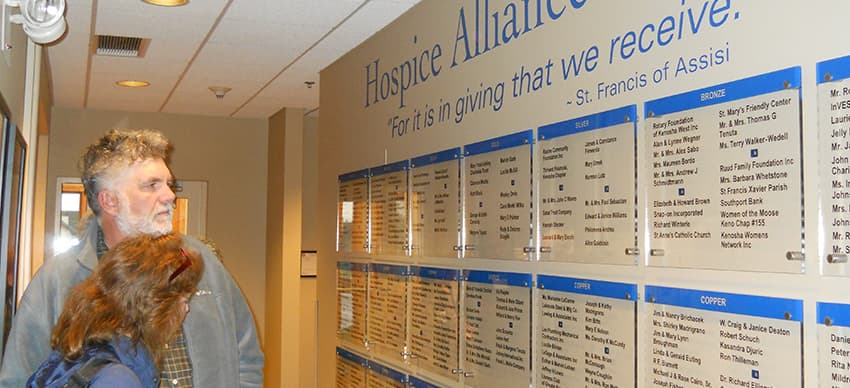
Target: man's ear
(108,202)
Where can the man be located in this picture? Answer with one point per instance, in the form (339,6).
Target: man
(127,186)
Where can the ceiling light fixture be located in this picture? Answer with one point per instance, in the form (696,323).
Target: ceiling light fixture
(219,91)
(42,20)
(167,3)
(133,83)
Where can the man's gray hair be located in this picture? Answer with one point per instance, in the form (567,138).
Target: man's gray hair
(114,152)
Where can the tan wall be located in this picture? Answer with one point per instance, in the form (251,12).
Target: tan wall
(274,252)
(309,241)
(309,223)
(12,76)
(291,299)
(45,96)
(230,154)
(283,364)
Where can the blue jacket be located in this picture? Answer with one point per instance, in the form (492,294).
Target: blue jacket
(220,330)
(132,367)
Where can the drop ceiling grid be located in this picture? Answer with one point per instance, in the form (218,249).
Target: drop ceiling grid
(254,41)
(179,26)
(68,60)
(294,77)
(357,28)
(325,13)
(259,107)
(199,88)
(136,67)
(372,18)
(202,107)
(216,53)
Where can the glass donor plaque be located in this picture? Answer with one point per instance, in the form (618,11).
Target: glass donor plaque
(497,328)
(833,344)
(350,369)
(497,197)
(587,333)
(416,382)
(352,212)
(388,209)
(434,202)
(834,161)
(587,188)
(724,176)
(712,339)
(351,282)
(382,376)
(387,310)
(434,320)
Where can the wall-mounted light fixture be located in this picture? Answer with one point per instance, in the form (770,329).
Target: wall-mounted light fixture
(42,20)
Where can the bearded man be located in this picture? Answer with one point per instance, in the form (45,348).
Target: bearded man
(128,187)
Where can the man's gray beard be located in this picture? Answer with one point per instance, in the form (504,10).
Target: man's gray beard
(130,227)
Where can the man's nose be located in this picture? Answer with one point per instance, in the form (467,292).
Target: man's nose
(168,195)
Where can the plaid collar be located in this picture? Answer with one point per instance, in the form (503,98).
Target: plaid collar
(101,244)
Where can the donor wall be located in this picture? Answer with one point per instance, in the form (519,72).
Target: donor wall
(588,193)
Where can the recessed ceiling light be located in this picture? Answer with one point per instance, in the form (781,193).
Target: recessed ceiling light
(167,3)
(133,84)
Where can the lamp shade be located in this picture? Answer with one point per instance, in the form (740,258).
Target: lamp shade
(43,20)
(43,11)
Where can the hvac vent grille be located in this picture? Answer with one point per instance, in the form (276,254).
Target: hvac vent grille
(120,46)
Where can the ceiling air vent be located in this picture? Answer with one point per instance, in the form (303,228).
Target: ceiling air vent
(121,46)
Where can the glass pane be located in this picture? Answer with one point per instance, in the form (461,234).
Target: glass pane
(71,209)
(70,202)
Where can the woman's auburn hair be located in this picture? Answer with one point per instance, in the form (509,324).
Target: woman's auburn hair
(135,290)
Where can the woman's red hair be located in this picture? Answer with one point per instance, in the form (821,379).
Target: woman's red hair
(130,293)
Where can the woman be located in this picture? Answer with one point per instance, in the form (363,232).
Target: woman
(115,323)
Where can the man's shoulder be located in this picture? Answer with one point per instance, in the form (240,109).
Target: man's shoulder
(212,260)
(196,244)
(63,266)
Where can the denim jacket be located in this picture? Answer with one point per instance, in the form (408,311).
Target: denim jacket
(132,366)
(220,331)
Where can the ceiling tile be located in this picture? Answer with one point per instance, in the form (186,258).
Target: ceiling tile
(259,108)
(138,19)
(135,67)
(263,49)
(230,53)
(68,58)
(360,27)
(248,33)
(199,88)
(309,12)
(202,107)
